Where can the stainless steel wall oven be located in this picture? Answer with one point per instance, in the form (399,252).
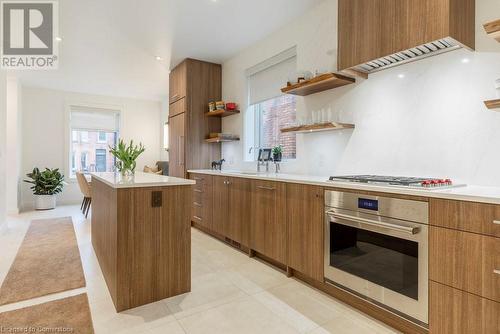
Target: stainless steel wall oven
(377,248)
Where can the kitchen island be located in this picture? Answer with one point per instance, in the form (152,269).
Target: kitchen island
(141,236)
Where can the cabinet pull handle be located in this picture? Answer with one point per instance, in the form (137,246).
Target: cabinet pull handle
(496,222)
(199,178)
(197,204)
(266,188)
(198,218)
(496,271)
(197,191)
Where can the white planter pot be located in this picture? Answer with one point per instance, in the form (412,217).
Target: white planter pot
(45,202)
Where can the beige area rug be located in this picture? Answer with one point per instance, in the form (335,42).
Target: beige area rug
(48,261)
(68,315)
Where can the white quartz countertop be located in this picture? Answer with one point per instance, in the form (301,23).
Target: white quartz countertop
(466,193)
(140,180)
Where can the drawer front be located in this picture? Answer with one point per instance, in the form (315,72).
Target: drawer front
(466,261)
(458,312)
(201,211)
(466,216)
(177,108)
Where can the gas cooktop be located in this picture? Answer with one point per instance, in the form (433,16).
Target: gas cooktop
(398,181)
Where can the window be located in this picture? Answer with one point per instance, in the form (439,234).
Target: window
(97,129)
(101,137)
(271,116)
(269,110)
(100,160)
(84,136)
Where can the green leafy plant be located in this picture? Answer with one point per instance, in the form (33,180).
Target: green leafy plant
(126,155)
(48,182)
(277,150)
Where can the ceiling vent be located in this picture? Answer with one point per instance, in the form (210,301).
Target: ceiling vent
(406,56)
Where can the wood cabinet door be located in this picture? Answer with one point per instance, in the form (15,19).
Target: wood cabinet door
(176,130)
(268,224)
(458,312)
(305,212)
(237,224)
(178,82)
(465,261)
(177,108)
(220,204)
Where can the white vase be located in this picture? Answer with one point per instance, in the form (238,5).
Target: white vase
(45,202)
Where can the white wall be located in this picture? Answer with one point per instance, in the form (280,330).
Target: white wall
(13,144)
(432,122)
(44,125)
(3,137)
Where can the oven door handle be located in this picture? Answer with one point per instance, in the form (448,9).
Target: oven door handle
(363,221)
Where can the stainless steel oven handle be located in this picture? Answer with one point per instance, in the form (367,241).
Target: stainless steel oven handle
(406,229)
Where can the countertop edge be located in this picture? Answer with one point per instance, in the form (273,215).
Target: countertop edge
(450,194)
(184,182)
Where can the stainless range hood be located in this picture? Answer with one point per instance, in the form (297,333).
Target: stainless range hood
(374,35)
(406,56)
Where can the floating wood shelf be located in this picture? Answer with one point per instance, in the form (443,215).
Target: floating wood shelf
(493,29)
(492,104)
(222,113)
(318,84)
(220,140)
(318,127)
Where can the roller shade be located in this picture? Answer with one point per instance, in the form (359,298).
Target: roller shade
(265,80)
(85,118)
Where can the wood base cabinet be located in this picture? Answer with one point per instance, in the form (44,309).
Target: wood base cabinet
(268,231)
(305,211)
(453,311)
(231,208)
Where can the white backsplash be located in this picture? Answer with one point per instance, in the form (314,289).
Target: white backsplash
(425,118)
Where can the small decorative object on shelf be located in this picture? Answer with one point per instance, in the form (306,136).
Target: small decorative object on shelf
(211,106)
(217,165)
(220,105)
(126,156)
(318,127)
(230,106)
(493,29)
(318,84)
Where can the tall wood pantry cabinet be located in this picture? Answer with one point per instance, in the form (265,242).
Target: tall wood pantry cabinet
(193,83)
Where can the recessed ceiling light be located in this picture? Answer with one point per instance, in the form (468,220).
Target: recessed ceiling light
(465,60)
(59,39)
(158,58)
(401,76)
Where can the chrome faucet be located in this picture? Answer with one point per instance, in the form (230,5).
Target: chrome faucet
(262,162)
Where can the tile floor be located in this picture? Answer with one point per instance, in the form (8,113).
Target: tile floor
(231,293)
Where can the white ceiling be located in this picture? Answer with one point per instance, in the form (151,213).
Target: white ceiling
(109,46)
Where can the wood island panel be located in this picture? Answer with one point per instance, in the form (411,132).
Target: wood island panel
(144,251)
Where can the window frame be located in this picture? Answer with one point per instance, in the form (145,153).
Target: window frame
(68,142)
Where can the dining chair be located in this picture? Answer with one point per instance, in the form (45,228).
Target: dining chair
(85,188)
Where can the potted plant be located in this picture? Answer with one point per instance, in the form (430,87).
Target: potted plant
(45,185)
(126,156)
(277,153)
